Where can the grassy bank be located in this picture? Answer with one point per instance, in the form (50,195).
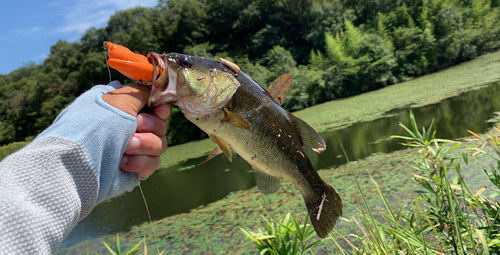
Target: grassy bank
(337,114)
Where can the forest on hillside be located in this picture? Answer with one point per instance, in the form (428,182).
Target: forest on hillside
(333,48)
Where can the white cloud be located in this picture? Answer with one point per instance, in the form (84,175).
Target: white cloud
(83,14)
(18,34)
(26,32)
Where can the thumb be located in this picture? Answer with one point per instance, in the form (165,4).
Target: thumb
(130,99)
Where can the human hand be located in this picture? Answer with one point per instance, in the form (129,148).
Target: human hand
(142,154)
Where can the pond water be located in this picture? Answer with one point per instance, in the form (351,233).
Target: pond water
(180,188)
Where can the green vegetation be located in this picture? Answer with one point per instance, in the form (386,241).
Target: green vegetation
(285,237)
(334,49)
(447,217)
(10,148)
(450,214)
(214,228)
(116,250)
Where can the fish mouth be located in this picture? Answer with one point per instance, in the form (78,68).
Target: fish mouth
(164,87)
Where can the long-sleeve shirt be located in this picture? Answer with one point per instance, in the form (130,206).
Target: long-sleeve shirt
(56,180)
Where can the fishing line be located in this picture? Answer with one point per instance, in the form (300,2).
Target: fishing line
(150,221)
(109,72)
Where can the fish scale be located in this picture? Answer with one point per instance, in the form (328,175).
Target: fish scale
(245,118)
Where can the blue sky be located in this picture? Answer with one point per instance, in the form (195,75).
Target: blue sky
(29,28)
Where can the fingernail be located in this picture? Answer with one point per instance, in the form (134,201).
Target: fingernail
(133,144)
(124,160)
(145,122)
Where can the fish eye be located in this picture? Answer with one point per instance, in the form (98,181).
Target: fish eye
(185,62)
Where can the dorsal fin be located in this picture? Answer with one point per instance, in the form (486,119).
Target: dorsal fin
(223,146)
(310,138)
(279,89)
(267,184)
(235,119)
(217,150)
(235,68)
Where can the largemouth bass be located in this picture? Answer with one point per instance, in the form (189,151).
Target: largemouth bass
(239,115)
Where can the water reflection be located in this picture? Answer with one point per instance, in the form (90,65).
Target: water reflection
(452,118)
(186,186)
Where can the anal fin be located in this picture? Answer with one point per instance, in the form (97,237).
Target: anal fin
(223,146)
(217,150)
(267,184)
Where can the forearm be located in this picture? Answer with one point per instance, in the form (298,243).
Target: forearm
(56,180)
(43,197)
(103,132)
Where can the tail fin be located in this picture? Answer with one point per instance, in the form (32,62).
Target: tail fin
(324,209)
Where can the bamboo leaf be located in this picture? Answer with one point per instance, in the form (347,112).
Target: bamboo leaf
(133,250)
(476,135)
(111,251)
(408,130)
(414,126)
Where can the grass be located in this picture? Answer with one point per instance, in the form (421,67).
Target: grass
(285,237)
(448,216)
(215,228)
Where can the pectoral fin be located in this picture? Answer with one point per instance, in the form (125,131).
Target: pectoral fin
(217,150)
(223,146)
(279,89)
(235,119)
(310,138)
(267,184)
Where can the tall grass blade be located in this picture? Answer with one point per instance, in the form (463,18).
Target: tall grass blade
(111,251)
(376,238)
(386,203)
(451,199)
(481,238)
(414,126)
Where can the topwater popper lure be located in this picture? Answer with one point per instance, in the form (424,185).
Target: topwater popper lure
(240,115)
(134,66)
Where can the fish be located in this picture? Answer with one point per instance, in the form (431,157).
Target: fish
(241,116)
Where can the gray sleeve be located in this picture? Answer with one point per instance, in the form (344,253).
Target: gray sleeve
(46,187)
(56,180)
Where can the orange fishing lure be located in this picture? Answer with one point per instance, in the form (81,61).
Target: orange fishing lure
(134,66)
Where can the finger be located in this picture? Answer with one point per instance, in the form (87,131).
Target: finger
(151,123)
(146,144)
(130,99)
(163,111)
(143,165)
